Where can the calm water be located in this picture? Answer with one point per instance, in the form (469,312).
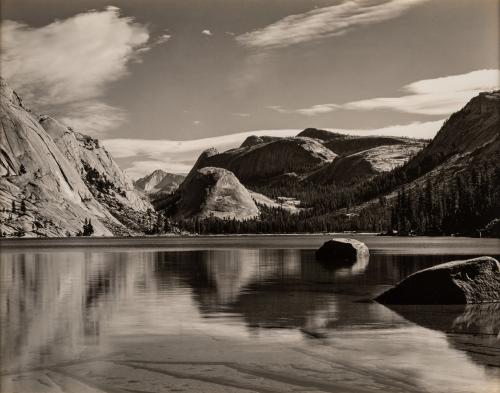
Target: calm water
(250,314)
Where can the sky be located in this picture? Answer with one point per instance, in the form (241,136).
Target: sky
(161,80)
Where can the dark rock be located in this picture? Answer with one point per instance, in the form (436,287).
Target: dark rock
(342,250)
(459,282)
(323,135)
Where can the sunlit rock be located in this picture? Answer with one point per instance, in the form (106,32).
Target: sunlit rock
(459,282)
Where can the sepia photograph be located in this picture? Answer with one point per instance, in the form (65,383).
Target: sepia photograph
(250,196)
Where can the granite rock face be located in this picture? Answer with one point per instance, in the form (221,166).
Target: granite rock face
(53,178)
(314,155)
(460,282)
(366,163)
(213,192)
(342,250)
(259,159)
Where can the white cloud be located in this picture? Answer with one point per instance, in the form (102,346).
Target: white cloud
(196,122)
(311,111)
(325,22)
(147,155)
(206,32)
(439,96)
(417,129)
(70,61)
(476,80)
(139,169)
(163,38)
(241,114)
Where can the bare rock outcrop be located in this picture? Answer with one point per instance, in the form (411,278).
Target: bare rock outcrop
(213,192)
(460,282)
(366,163)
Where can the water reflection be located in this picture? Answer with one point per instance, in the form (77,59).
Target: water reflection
(473,328)
(63,305)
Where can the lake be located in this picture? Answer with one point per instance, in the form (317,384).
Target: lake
(236,314)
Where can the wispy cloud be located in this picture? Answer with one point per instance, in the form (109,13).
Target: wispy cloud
(325,22)
(163,38)
(92,117)
(311,111)
(206,32)
(144,156)
(69,63)
(439,96)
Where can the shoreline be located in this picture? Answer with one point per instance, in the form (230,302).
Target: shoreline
(288,240)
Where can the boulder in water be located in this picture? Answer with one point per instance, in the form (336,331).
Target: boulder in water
(342,250)
(460,282)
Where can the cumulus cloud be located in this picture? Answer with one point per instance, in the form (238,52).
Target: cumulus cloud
(206,32)
(325,22)
(144,155)
(70,62)
(439,96)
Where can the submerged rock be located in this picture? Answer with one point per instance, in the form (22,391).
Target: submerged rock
(460,282)
(342,250)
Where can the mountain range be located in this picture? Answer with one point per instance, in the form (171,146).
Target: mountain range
(55,181)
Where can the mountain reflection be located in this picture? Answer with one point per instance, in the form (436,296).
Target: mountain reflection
(60,305)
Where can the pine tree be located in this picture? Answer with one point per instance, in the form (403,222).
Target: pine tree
(88,228)
(23,207)
(13,206)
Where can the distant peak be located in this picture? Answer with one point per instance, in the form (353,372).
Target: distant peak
(212,151)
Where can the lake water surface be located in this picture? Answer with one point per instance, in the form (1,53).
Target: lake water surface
(237,314)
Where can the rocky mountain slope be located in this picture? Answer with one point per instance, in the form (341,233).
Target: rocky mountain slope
(361,164)
(462,160)
(159,182)
(261,158)
(316,155)
(53,179)
(212,192)
(473,129)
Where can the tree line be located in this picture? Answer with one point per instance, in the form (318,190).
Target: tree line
(461,203)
